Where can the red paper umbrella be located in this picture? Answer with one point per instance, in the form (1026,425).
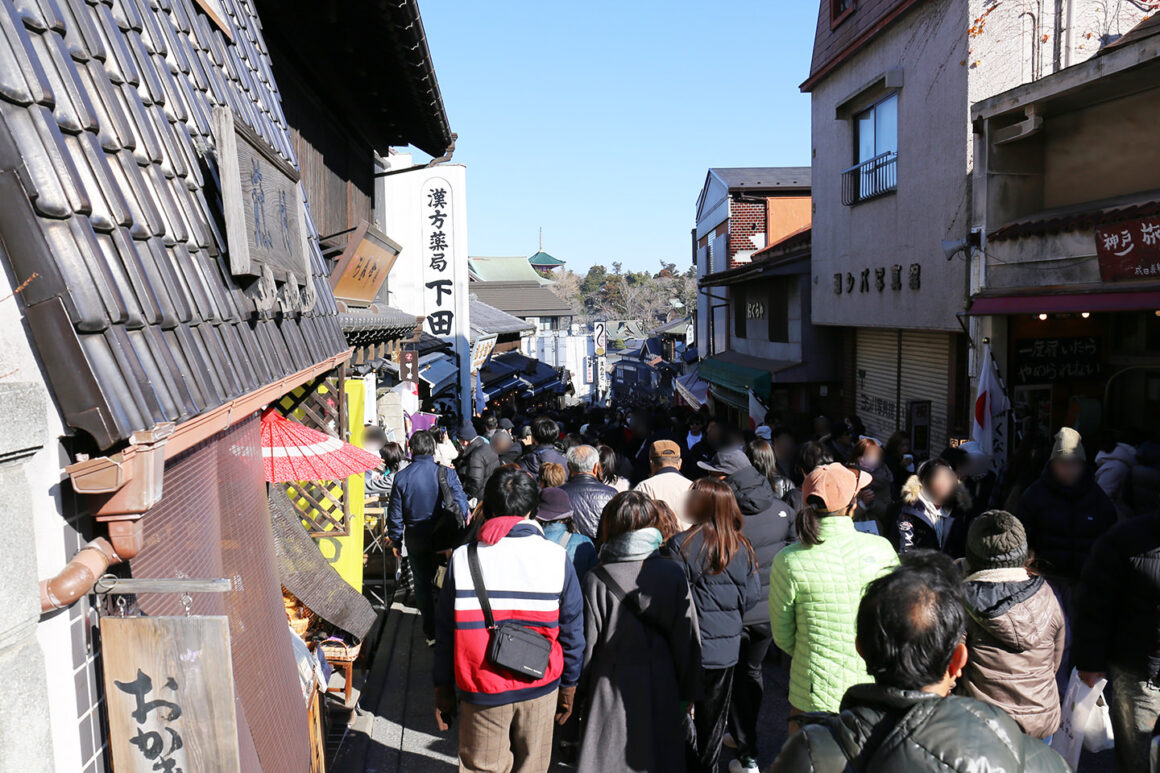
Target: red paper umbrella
(292,452)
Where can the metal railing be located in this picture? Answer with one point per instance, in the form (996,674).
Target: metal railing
(870,179)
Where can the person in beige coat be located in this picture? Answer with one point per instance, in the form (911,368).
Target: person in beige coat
(1015,627)
(667,484)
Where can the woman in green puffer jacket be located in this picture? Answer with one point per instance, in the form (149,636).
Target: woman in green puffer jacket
(816,586)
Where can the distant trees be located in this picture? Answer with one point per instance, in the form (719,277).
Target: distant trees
(652,298)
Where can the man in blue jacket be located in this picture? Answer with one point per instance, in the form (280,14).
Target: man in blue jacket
(414,510)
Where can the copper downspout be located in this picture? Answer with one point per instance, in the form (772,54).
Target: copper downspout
(126,485)
(78,576)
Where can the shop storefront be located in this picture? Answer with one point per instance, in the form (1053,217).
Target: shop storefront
(1069,364)
(907,380)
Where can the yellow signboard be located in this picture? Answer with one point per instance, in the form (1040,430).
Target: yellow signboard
(345,553)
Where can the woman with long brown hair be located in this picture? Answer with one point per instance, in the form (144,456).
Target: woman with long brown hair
(643,655)
(721,568)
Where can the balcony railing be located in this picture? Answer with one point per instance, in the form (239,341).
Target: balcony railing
(870,179)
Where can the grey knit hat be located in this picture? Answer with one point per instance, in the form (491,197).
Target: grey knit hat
(996,540)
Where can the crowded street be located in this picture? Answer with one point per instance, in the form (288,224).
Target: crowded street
(408,386)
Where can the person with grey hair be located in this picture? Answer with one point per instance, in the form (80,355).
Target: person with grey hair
(585,491)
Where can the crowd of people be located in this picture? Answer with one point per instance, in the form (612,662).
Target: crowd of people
(606,588)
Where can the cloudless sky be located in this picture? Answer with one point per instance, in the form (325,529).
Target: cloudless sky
(598,120)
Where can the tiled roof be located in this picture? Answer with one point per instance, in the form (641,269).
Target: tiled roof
(521,299)
(488,320)
(377,50)
(545,260)
(110,196)
(677,326)
(1077,218)
(505,269)
(387,324)
(764,176)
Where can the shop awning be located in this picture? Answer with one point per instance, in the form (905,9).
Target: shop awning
(438,371)
(1065,303)
(739,373)
(692,389)
(547,387)
(502,387)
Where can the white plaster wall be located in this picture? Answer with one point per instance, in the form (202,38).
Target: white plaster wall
(931,204)
(43,701)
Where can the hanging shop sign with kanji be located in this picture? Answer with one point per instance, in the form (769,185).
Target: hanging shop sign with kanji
(438,254)
(265,217)
(1129,250)
(363,267)
(169,694)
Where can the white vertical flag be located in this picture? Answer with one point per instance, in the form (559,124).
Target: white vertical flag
(756,411)
(989,427)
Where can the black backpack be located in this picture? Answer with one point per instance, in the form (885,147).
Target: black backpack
(450,520)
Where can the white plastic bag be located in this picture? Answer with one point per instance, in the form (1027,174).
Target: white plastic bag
(1097,734)
(1079,704)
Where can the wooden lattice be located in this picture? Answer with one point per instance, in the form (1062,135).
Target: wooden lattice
(321,405)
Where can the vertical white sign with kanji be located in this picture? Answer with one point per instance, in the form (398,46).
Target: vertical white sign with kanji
(424,210)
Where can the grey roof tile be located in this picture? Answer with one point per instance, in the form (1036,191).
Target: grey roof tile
(22,60)
(80,34)
(114,131)
(73,109)
(104,138)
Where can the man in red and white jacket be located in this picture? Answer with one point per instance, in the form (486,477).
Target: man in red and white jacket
(506,721)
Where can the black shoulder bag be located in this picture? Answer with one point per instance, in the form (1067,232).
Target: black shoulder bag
(513,647)
(450,523)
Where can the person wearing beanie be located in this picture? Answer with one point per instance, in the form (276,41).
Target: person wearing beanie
(1064,513)
(1015,627)
(476,462)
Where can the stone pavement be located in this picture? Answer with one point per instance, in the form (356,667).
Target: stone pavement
(393,728)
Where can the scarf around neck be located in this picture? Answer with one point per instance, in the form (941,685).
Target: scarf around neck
(632,546)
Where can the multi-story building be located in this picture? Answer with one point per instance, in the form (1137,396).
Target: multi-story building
(892,83)
(734,220)
(775,350)
(1067,285)
(165,283)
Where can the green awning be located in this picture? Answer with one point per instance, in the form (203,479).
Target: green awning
(738,378)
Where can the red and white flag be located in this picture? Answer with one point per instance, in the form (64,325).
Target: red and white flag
(989,427)
(756,411)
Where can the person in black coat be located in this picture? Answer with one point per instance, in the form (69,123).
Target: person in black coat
(768,524)
(924,517)
(505,447)
(1065,511)
(722,571)
(476,463)
(585,491)
(545,434)
(1117,631)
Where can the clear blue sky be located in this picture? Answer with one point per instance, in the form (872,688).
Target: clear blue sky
(598,120)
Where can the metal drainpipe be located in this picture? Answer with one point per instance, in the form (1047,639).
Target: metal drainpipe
(78,576)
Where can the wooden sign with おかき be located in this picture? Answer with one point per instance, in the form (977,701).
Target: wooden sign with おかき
(169,691)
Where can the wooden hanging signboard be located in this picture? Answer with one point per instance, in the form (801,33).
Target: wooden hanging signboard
(169,693)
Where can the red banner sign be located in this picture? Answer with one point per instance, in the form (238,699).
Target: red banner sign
(1129,250)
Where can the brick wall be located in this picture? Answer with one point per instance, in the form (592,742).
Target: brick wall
(745,220)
